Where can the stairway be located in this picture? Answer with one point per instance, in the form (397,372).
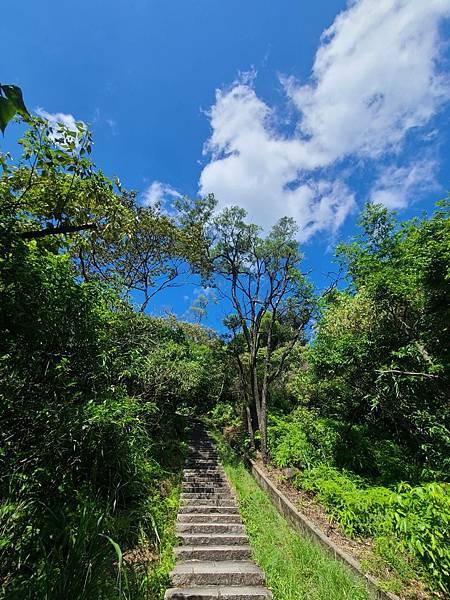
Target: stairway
(214,557)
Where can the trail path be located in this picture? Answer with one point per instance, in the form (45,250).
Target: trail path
(214,556)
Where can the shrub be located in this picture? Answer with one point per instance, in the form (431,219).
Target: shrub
(89,392)
(418,517)
(302,439)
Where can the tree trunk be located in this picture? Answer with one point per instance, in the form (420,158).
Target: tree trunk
(250,427)
(263,426)
(264,392)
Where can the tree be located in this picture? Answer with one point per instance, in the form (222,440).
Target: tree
(262,279)
(55,194)
(380,357)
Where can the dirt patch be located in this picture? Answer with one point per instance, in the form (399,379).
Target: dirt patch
(139,556)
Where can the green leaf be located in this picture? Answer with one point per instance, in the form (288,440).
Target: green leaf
(117,550)
(14,94)
(7,112)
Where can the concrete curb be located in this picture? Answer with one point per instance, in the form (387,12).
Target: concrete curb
(306,527)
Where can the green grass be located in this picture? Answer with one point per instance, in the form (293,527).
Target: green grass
(295,567)
(158,576)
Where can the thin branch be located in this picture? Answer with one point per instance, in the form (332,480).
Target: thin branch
(412,373)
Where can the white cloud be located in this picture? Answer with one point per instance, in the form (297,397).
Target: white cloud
(157,193)
(396,187)
(375,77)
(67,120)
(54,118)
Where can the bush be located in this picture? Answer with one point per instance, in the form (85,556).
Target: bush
(89,394)
(225,415)
(418,517)
(358,510)
(302,439)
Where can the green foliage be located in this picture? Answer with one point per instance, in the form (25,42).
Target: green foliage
(224,415)
(11,102)
(380,356)
(371,394)
(359,510)
(302,440)
(418,517)
(91,391)
(54,189)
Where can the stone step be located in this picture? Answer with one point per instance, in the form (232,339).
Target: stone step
(201,444)
(210,528)
(199,481)
(207,488)
(214,592)
(213,552)
(204,476)
(230,508)
(206,517)
(205,456)
(216,485)
(214,471)
(226,572)
(201,496)
(200,468)
(216,539)
(214,556)
(221,502)
(201,463)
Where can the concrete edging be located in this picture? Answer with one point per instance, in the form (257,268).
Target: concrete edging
(305,526)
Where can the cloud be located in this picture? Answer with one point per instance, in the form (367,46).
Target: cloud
(54,118)
(112,124)
(375,78)
(206,291)
(157,193)
(396,187)
(67,120)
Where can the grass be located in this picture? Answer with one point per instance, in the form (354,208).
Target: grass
(158,576)
(295,567)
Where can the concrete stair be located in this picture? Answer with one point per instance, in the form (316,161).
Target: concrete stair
(214,556)
(215,591)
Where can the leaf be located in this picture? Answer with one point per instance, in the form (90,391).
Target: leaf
(7,112)
(11,102)
(117,549)
(14,95)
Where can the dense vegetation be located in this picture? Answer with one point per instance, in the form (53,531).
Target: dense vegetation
(347,389)
(362,410)
(93,391)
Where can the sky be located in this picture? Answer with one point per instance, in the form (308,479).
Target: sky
(305,109)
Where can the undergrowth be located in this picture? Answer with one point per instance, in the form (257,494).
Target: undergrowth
(409,522)
(296,568)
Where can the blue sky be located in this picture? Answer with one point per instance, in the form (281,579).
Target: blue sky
(287,107)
